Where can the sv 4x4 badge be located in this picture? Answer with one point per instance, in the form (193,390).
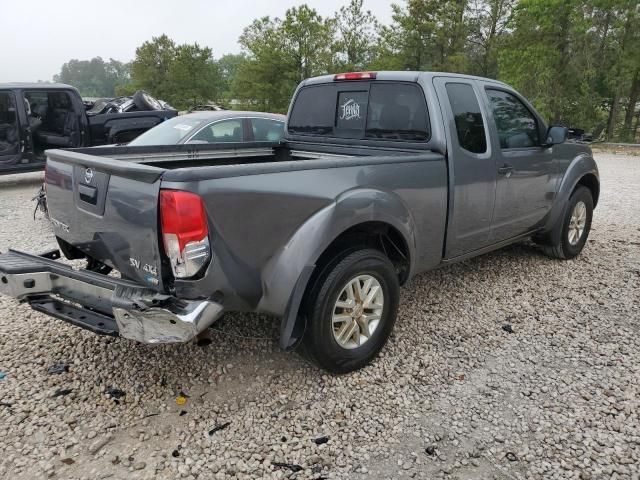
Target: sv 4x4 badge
(150,269)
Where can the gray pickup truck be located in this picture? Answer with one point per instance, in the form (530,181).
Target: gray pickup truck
(380,176)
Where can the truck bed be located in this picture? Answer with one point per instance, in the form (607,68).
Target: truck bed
(104,203)
(171,157)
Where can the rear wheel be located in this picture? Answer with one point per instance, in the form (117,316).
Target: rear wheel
(574,226)
(351,310)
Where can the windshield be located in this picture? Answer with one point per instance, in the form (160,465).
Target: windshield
(366,110)
(169,132)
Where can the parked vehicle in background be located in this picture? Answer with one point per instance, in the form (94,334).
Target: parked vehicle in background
(224,126)
(206,107)
(140,101)
(380,176)
(579,135)
(37,116)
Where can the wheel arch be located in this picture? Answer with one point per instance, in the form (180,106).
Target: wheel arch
(592,182)
(379,235)
(376,234)
(581,171)
(359,218)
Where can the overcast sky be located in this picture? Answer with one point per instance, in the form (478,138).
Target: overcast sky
(38,36)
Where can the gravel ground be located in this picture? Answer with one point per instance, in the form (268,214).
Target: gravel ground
(453,395)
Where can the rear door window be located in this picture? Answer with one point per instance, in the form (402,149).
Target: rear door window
(266,130)
(467,116)
(371,110)
(224,131)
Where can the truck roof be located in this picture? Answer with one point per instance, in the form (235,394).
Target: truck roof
(35,85)
(404,76)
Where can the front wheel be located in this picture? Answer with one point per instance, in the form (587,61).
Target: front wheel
(575,226)
(351,310)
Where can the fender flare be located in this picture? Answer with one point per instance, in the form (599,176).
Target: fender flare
(301,253)
(580,167)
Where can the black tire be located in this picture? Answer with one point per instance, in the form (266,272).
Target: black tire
(144,101)
(564,249)
(319,342)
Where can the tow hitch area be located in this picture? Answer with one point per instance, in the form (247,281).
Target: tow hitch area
(100,303)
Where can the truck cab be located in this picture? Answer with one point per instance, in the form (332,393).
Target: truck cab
(35,117)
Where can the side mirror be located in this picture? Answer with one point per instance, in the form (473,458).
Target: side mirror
(556,135)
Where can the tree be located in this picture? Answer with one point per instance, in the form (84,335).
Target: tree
(150,69)
(95,77)
(623,75)
(425,35)
(264,81)
(488,29)
(541,58)
(356,30)
(576,60)
(192,76)
(280,53)
(308,41)
(228,65)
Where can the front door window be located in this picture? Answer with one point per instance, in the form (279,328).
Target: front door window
(516,125)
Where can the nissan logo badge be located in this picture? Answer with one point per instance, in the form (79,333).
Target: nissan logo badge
(88,175)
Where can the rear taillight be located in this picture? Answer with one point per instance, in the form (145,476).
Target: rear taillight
(355,76)
(185,234)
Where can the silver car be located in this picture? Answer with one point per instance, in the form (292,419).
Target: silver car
(215,127)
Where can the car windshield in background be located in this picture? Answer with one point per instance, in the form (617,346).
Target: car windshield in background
(371,110)
(169,132)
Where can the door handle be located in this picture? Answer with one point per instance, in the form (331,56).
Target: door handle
(506,169)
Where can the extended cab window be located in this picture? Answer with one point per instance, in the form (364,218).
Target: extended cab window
(371,110)
(516,125)
(467,116)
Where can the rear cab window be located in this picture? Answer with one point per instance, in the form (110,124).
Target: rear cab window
(372,110)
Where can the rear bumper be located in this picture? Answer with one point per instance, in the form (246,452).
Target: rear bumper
(100,303)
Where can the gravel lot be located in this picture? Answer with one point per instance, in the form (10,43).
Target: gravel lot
(454,395)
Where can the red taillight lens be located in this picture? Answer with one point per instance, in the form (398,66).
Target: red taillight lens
(183,215)
(355,76)
(184,232)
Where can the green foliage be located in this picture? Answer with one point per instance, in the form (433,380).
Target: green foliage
(280,53)
(356,31)
(184,75)
(95,77)
(266,79)
(576,60)
(425,35)
(150,69)
(228,66)
(487,23)
(193,76)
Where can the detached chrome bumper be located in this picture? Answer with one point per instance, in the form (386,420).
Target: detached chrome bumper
(102,304)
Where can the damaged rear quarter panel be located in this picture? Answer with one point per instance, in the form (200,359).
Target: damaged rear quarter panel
(266,227)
